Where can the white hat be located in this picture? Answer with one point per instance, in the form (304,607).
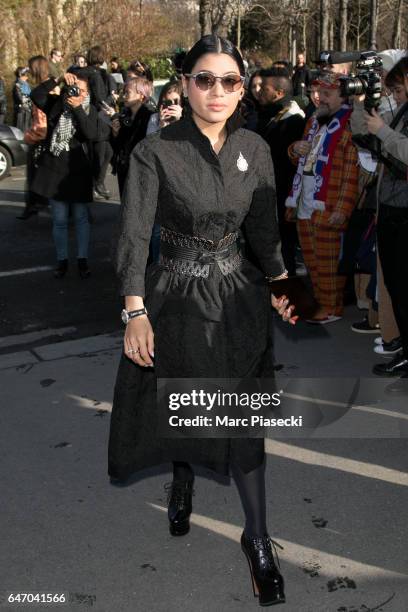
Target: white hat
(390,57)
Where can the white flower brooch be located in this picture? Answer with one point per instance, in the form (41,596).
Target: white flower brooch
(242,163)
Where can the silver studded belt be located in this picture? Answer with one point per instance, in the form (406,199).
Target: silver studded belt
(195,256)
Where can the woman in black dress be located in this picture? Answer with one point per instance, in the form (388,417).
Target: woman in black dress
(209,310)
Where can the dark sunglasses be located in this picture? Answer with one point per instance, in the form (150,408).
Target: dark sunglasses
(206,80)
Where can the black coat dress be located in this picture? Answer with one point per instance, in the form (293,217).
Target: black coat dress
(218,326)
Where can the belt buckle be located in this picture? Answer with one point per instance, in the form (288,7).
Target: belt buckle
(205,258)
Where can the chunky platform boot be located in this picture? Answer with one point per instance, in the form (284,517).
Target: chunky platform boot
(267,581)
(179,499)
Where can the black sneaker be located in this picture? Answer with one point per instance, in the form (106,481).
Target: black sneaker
(389,348)
(363,327)
(396,367)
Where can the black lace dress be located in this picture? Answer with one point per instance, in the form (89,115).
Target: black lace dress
(205,326)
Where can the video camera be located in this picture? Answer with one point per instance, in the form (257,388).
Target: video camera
(366,81)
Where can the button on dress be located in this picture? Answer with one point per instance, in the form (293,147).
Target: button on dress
(214,327)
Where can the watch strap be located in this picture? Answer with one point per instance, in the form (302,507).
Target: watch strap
(132,314)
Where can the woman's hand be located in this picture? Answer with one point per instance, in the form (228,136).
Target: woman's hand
(373,121)
(115,125)
(74,101)
(301,147)
(168,112)
(69,79)
(139,341)
(281,305)
(337,218)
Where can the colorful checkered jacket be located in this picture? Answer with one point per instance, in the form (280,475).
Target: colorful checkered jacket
(342,191)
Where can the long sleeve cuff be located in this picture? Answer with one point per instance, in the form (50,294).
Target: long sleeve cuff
(133,286)
(383,132)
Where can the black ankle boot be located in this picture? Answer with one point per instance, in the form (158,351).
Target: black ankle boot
(83,269)
(61,268)
(179,499)
(267,581)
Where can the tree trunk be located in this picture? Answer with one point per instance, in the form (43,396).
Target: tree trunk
(304,44)
(324,24)
(396,33)
(331,34)
(239,25)
(204,17)
(373,24)
(294,45)
(343,24)
(358,35)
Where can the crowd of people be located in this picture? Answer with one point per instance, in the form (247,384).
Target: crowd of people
(278,163)
(340,216)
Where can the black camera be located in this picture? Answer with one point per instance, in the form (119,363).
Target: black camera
(366,81)
(125,118)
(72,91)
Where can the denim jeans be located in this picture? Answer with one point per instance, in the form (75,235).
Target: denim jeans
(60,212)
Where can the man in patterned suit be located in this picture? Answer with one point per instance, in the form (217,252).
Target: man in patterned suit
(324,193)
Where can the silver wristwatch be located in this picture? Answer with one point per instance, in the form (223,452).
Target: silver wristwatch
(126,315)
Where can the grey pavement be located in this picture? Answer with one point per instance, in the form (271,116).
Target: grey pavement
(337,506)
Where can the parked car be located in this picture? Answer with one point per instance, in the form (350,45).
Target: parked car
(13,151)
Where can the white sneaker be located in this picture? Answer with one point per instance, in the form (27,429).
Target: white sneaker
(328,319)
(378,340)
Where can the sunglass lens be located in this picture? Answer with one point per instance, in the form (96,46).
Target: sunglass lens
(204,81)
(231,83)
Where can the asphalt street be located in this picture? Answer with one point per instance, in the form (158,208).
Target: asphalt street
(336,500)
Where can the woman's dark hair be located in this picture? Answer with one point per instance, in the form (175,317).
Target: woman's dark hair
(77,56)
(141,69)
(95,56)
(212,44)
(21,71)
(168,87)
(399,74)
(249,95)
(39,68)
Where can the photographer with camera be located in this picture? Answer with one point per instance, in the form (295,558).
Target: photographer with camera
(169,105)
(64,172)
(391,133)
(129,126)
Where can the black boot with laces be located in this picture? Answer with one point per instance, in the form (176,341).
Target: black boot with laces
(61,269)
(83,268)
(179,499)
(267,581)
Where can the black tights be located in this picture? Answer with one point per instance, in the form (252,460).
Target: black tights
(251,488)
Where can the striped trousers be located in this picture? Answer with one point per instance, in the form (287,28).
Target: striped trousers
(321,251)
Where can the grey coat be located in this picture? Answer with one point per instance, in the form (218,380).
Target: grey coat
(394,143)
